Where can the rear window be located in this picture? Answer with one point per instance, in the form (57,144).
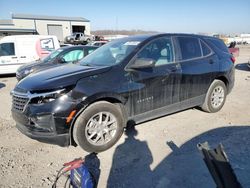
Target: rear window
(205,49)
(218,44)
(7,49)
(190,48)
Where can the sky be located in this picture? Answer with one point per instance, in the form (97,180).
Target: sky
(183,16)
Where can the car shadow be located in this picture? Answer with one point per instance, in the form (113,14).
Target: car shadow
(131,163)
(242,67)
(184,166)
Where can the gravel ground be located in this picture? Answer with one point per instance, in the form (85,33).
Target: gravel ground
(158,153)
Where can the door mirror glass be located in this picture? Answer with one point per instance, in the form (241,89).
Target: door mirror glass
(142,63)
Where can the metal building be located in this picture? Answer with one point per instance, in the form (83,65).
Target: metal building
(44,25)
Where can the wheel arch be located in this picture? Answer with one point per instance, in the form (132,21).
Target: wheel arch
(223,79)
(111,98)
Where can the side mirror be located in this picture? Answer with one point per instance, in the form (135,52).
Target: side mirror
(142,63)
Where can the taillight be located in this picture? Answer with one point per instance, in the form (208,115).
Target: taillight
(233,59)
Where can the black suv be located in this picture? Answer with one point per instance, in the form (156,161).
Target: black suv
(132,79)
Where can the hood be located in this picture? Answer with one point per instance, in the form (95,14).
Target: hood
(29,65)
(37,66)
(58,77)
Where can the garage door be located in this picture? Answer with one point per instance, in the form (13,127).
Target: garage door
(56,30)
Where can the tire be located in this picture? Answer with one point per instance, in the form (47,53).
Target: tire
(71,41)
(88,40)
(215,97)
(91,135)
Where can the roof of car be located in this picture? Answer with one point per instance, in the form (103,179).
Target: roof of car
(146,36)
(78,47)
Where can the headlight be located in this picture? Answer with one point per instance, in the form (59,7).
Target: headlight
(28,71)
(39,98)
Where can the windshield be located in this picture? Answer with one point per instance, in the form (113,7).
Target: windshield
(111,53)
(52,56)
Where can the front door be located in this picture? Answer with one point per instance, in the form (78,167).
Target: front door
(154,87)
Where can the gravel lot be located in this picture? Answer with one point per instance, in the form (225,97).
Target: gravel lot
(159,153)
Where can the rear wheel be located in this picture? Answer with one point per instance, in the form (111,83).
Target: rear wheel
(99,127)
(215,97)
(71,41)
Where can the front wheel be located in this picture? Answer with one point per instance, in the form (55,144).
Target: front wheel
(215,97)
(88,41)
(99,127)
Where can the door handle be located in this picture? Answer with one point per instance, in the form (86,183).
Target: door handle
(173,68)
(23,56)
(14,57)
(211,61)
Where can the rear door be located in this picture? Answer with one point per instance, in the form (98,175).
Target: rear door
(199,64)
(158,86)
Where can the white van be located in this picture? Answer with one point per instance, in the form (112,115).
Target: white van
(20,49)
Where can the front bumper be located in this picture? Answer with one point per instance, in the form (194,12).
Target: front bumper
(45,122)
(41,128)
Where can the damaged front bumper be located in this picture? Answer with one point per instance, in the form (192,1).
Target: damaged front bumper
(41,128)
(45,122)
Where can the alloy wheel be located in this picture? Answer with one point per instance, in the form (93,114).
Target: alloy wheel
(101,128)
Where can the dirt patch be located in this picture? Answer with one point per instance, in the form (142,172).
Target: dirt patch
(162,153)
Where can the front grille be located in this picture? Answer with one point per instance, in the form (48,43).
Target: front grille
(19,102)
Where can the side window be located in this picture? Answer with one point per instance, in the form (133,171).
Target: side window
(190,47)
(74,55)
(160,50)
(7,49)
(205,49)
(77,36)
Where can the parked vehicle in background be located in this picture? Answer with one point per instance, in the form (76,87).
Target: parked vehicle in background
(99,38)
(233,50)
(98,43)
(67,54)
(132,79)
(18,50)
(79,38)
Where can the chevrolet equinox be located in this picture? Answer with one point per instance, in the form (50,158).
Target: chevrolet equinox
(132,79)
